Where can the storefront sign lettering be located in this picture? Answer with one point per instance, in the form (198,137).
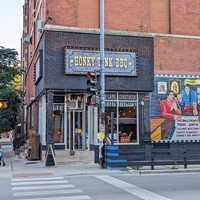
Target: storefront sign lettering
(110,96)
(187,128)
(115,63)
(92,61)
(127,96)
(121,96)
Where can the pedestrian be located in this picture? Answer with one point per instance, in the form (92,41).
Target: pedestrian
(10,136)
(16,144)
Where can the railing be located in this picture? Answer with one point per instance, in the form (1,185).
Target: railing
(118,158)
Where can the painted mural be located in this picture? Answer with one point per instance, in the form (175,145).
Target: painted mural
(175,105)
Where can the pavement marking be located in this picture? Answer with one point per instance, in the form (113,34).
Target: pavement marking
(132,189)
(42,187)
(35,193)
(61,198)
(31,188)
(36,179)
(38,182)
(32,174)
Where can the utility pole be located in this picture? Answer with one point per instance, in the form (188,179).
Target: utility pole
(102,69)
(102,86)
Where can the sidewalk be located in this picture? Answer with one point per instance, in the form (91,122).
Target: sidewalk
(21,167)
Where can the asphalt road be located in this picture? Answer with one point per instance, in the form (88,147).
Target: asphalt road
(136,187)
(99,186)
(103,187)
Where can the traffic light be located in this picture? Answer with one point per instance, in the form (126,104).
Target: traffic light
(93,100)
(91,83)
(3,104)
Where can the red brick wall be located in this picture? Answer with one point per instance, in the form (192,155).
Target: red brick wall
(88,14)
(177,54)
(159,16)
(127,15)
(185,17)
(61,12)
(134,15)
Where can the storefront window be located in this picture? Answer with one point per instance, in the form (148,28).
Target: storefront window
(127,120)
(124,109)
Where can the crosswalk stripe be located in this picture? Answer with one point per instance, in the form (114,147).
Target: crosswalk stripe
(36,179)
(132,189)
(83,197)
(45,188)
(38,182)
(36,193)
(42,187)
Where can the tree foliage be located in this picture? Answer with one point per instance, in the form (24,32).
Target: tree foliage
(9,72)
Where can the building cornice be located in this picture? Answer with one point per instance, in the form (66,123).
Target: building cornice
(49,27)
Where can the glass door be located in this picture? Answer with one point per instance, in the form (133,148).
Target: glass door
(75,130)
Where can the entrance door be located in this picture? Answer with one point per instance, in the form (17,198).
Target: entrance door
(75,129)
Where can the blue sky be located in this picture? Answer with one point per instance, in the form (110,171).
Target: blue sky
(11,23)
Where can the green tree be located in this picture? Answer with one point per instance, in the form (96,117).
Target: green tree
(9,70)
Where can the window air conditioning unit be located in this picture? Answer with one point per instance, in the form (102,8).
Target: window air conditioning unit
(40,25)
(74,104)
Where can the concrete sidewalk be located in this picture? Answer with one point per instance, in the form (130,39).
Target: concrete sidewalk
(21,167)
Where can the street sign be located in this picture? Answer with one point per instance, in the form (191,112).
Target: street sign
(101,136)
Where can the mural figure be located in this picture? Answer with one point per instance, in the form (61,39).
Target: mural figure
(188,100)
(169,107)
(171,110)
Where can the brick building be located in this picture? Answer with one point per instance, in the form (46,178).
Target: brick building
(143,40)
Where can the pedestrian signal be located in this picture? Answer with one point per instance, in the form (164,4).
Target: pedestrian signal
(3,104)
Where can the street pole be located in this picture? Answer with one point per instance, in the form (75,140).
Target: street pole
(102,85)
(102,67)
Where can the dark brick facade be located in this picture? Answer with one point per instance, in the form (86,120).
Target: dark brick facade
(54,65)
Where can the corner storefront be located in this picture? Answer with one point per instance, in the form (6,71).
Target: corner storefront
(65,117)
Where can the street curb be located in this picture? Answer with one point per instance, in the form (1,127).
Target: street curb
(165,171)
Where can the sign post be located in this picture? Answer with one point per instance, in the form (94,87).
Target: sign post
(102,68)
(102,76)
